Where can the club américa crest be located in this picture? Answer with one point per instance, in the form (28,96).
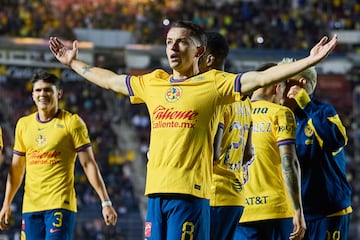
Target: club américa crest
(173,94)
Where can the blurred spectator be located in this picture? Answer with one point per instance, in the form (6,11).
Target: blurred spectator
(246,24)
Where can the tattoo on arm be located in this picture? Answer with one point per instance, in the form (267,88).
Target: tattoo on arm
(86,69)
(291,176)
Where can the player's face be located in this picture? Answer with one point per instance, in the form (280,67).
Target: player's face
(292,87)
(181,49)
(46,96)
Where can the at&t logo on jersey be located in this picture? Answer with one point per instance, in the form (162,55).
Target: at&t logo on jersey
(173,94)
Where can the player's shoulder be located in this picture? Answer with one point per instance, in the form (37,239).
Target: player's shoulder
(269,107)
(158,73)
(27,118)
(68,116)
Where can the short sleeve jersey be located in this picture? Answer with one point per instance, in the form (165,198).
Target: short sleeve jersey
(181,145)
(227,189)
(265,190)
(50,150)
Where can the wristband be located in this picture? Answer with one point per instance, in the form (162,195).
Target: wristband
(106,203)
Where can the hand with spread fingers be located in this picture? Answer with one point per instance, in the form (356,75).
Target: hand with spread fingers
(61,52)
(323,48)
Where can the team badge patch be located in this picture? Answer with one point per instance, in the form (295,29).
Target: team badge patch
(173,94)
(41,139)
(308,131)
(147,229)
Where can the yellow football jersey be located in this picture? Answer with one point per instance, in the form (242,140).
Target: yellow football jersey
(181,146)
(227,189)
(50,150)
(265,190)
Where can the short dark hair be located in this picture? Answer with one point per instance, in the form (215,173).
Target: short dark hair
(195,30)
(217,45)
(266,66)
(46,77)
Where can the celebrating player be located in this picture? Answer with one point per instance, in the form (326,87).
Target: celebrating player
(181,106)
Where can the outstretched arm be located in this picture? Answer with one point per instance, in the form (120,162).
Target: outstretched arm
(250,81)
(100,76)
(93,174)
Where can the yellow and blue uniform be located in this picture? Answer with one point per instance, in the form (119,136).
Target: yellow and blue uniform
(326,192)
(227,197)
(50,150)
(265,190)
(181,145)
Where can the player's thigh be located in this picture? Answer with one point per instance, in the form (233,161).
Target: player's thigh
(248,231)
(155,228)
(328,228)
(224,220)
(272,229)
(188,218)
(60,224)
(32,226)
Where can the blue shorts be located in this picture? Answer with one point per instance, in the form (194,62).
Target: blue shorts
(223,221)
(55,224)
(272,229)
(328,228)
(177,217)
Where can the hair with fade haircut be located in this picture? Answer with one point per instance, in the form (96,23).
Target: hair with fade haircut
(309,74)
(195,30)
(46,77)
(217,45)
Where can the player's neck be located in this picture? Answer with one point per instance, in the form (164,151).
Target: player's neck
(262,96)
(44,115)
(185,74)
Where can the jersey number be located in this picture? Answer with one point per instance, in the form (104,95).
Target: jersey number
(333,236)
(58,219)
(188,231)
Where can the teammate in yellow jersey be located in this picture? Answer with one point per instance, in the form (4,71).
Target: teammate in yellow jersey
(181,105)
(273,208)
(232,123)
(47,143)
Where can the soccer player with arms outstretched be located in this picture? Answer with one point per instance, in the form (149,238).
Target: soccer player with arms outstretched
(181,105)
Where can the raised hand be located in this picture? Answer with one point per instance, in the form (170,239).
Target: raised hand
(63,54)
(323,48)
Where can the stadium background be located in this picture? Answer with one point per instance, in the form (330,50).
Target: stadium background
(127,37)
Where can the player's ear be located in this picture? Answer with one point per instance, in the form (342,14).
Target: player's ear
(60,93)
(200,51)
(210,60)
(302,82)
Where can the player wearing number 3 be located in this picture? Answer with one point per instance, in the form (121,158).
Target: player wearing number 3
(45,149)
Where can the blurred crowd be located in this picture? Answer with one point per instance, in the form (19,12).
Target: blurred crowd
(292,25)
